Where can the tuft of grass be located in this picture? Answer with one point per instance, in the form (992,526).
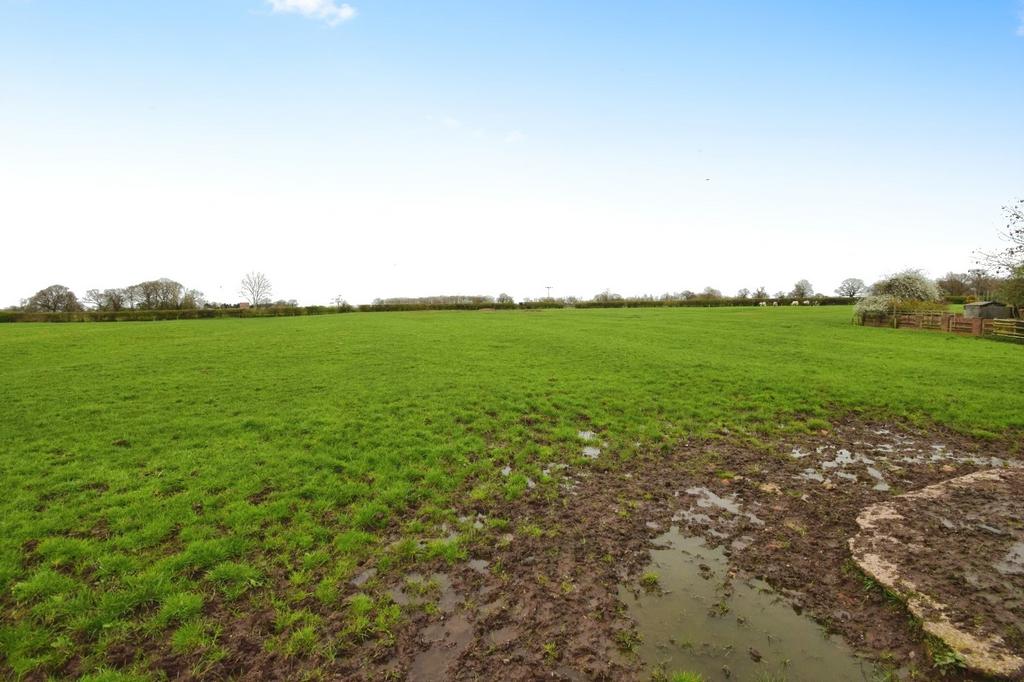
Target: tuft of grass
(628,640)
(234,578)
(686,677)
(944,658)
(179,607)
(302,642)
(194,636)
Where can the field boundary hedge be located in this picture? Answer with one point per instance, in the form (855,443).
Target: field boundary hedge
(156,315)
(289,311)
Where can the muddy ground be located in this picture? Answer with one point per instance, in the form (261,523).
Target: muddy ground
(539,599)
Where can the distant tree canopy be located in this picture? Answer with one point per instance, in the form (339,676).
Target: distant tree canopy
(55,298)
(156,294)
(435,300)
(710,292)
(850,287)
(1012,289)
(606,296)
(954,284)
(802,289)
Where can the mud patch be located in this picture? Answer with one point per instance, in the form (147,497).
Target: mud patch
(705,618)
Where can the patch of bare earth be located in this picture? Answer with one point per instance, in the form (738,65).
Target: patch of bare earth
(538,599)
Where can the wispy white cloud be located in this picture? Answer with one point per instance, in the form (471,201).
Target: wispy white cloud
(329,11)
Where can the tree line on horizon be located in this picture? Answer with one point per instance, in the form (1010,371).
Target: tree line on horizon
(168,294)
(1000,275)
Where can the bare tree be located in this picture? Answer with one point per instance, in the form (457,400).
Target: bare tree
(107,299)
(55,298)
(605,296)
(1012,257)
(95,299)
(256,288)
(132,296)
(802,289)
(982,283)
(955,284)
(191,299)
(710,292)
(850,287)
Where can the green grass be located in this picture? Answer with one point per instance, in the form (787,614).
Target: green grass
(163,477)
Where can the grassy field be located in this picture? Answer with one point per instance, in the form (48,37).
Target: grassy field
(163,478)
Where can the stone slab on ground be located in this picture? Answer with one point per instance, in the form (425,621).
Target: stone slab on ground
(955,552)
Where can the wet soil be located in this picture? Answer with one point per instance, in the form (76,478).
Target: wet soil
(552,594)
(703,616)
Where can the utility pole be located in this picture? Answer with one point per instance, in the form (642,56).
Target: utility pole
(549,291)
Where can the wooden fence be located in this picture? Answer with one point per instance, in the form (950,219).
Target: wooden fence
(1008,329)
(951,323)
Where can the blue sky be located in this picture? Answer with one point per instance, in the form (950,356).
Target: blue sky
(410,148)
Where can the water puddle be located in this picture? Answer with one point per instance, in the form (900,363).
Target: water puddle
(419,589)
(877,461)
(445,640)
(811,475)
(502,636)
(708,499)
(1013,562)
(477,521)
(590,452)
(705,620)
(880,484)
(363,577)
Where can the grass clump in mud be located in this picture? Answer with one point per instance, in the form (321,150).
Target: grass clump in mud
(650,581)
(628,640)
(946,660)
(659,675)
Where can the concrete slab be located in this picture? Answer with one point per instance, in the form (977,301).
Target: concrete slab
(955,552)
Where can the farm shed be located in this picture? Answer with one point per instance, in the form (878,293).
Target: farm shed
(987,310)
